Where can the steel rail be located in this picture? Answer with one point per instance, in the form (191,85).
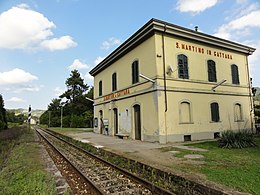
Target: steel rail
(153,187)
(96,189)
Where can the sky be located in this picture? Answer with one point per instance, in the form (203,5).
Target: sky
(42,41)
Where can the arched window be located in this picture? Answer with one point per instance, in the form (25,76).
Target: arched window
(100,88)
(183,69)
(238,112)
(185,112)
(234,74)
(135,72)
(212,76)
(114,82)
(214,112)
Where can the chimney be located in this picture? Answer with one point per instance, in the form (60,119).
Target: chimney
(196,28)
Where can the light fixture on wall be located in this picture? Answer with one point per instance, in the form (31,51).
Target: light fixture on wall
(169,70)
(218,84)
(147,78)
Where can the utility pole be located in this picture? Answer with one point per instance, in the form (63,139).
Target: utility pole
(49,118)
(61,113)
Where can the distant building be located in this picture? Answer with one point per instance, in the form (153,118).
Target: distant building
(192,86)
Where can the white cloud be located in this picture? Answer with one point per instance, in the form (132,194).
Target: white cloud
(61,43)
(77,64)
(106,45)
(28,88)
(241,1)
(99,59)
(239,26)
(16,99)
(89,79)
(254,59)
(58,91)
(16,76)
(23,28)
(195,6)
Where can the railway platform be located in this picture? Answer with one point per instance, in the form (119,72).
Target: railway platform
(160,156)
(146,152)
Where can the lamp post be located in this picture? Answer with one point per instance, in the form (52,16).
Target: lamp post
(61,113)
(49,118)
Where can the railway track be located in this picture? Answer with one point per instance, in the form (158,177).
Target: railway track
(103,177)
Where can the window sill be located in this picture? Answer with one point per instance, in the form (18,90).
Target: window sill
(215,121)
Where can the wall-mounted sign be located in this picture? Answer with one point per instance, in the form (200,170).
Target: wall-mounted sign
(202,50)
(117,94)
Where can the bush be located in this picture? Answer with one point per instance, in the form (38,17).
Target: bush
(241,139)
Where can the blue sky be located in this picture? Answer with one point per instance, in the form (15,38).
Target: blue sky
(42,41)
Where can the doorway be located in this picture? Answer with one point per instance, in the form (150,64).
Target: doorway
(101,126)
(137,121)
(115,121)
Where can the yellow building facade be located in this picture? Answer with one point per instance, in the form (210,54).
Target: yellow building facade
(167,83)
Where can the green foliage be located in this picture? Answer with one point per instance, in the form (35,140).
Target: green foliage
(77,110)
(235,168)
(12,118)
(3,121)
(77,121)
(240,139)
(21,167)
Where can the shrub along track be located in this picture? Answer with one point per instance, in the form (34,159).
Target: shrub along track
(95,173)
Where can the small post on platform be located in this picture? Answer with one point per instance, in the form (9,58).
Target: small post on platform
(29,115)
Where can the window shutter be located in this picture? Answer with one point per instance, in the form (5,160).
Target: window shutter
(114,82)
(100,88)
(135,72)
(214,112)
(183,69)
(234,73)
(212,77)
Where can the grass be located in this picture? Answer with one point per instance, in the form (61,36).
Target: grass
(22,170)
(236,168)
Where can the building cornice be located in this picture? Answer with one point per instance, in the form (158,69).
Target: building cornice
(155,25)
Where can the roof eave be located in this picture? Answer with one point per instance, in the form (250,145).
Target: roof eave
(155,25)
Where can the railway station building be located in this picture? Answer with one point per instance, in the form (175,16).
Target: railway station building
(167,83)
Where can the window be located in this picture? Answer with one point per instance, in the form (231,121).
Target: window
(214,112)
(183,67)
(234,73)
(135,72)
(100,88)
(238,112)
(185,112)
(212,71)
(187,138)
(114,82)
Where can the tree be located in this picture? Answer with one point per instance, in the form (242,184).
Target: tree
(75,94)
(3,121)
(75,85)
(77,109)
(52,114)
(12,118)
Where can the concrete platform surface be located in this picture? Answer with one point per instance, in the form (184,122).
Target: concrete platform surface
(114,143)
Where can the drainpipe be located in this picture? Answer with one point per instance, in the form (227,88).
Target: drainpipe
(250,96)
(164,81)
(164,70)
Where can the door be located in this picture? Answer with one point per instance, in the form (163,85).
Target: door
(115,121)
(101,126)
(137,122)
